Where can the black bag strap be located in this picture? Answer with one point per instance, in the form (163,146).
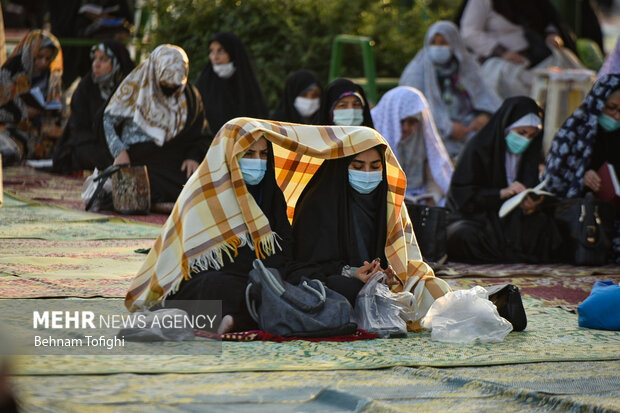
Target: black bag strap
(102,178)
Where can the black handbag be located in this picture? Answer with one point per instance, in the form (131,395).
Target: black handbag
(429,225)
(587,225)
(507,299)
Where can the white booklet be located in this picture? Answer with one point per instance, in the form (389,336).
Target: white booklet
(34,97)
(514,201)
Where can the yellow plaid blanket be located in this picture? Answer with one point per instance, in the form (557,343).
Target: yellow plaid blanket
(215,214)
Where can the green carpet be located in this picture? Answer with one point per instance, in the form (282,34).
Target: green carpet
(20,218)
(529,387)
(552,335)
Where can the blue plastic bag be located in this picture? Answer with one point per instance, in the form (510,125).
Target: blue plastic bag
(601,310)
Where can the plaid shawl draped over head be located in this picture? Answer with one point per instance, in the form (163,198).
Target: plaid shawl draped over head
(215,214)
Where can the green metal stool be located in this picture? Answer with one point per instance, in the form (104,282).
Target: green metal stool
(369,82)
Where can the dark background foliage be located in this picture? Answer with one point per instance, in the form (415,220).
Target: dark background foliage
(283,36)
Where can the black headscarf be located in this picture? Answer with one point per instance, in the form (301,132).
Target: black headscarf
(270,199)
(239,95)
(334,225)
(333,94)
(295,85)
(480,172)
(122,56)
(536,14)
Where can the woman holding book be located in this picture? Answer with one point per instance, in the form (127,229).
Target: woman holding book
(588,140)
(502,161)
(30,92)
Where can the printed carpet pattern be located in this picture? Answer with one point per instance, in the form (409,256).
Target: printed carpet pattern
(20,218)
(459,269)
(565,386)
(552,290)
(55,252)
(552,334)
(31,268)
(58,190)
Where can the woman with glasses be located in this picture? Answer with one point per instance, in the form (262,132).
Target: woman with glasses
(586,140)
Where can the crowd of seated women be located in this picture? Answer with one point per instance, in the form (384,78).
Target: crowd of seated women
(455,134)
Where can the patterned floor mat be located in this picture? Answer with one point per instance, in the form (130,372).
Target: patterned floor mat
(457,269)
(20,218)
(552,334)
(32,268)
(58,190)
(526,387)
(557,291)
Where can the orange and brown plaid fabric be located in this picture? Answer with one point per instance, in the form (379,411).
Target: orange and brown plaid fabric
(214,214)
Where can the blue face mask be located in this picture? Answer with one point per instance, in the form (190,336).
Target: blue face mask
(253,170)
(348,117)
(365,182)
(517,143)
(440,54)
(608,123)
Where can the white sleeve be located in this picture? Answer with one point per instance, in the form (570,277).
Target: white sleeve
(473,27)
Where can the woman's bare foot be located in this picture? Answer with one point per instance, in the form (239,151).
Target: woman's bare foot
(226,325)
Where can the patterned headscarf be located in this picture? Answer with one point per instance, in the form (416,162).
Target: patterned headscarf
(571,148)
(27,49)
(215,214)
(140,97)
(401,103)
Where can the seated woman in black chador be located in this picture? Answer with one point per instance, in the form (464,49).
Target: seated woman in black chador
(502,160)
(79,147)
(301,100)
(345,104)
(155,118)
(338,225)
(229,283)
(228,85)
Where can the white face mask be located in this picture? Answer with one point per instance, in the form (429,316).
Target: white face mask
(306,107)
(224,71)
(348,117)
(440,54)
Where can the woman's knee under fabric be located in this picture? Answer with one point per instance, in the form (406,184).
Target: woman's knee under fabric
(215,285)
(164,168)
(468,242)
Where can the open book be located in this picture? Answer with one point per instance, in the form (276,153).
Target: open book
(97,9)
(415,199)
(514,201)
(610,188)
(34,97)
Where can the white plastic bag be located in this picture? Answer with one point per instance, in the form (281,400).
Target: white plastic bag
(466,316)
(379,310)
